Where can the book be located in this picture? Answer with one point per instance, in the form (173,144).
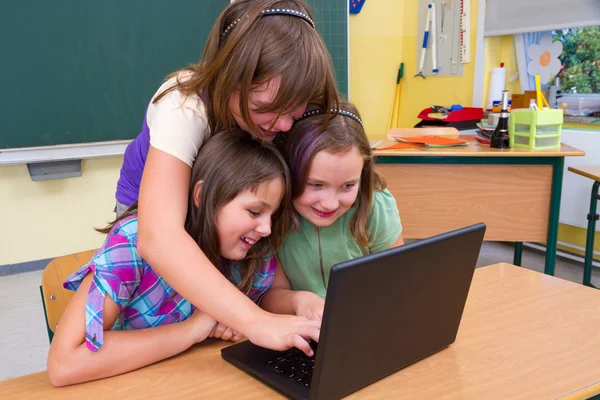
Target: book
(422,142)
(431,141)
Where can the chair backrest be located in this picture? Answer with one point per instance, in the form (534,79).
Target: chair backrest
(54,297)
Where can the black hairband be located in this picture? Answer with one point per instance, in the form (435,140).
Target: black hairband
(345,113)
(275,11)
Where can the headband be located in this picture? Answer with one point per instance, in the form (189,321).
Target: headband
(345,113)
(275,11)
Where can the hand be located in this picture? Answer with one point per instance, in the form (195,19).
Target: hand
(202,325)
(282,332)
(309,305)
(223,332)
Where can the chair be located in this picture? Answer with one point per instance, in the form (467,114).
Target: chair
(54,297)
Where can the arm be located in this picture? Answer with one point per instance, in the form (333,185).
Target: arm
(70,361)
(281,299)
(164,243)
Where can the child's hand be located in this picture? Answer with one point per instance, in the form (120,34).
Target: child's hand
(309,305)
(223,332)
(202,325)
(282,332)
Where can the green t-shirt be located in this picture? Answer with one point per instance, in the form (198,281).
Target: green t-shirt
(301,251)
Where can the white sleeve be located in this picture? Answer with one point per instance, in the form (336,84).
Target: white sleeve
(178,125)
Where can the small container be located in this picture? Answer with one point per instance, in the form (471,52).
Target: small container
(535,129)
(497,105)
(493,119)
(580,105)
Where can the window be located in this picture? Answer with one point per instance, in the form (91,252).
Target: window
(580,59)
(576,24)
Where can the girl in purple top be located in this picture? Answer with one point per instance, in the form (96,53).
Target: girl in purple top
(124,315)
(263,62)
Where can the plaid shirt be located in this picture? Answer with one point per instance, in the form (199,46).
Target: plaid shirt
(145,299)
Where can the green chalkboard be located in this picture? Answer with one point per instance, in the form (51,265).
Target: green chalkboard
(82,71)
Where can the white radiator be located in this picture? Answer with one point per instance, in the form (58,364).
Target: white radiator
(575,200)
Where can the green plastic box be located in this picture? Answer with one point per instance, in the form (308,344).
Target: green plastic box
(535,129)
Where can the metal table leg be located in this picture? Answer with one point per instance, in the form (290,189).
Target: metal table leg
(591,231)
(557,178)
(518,253)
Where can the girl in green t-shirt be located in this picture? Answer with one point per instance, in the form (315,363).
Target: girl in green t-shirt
(343,209)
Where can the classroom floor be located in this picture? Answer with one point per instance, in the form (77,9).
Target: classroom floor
(24,340)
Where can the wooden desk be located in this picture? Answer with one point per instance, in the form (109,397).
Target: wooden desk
(523,335)
(594,174)
(516,192)
(589,172)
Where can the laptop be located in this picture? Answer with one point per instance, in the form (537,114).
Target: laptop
(382,313)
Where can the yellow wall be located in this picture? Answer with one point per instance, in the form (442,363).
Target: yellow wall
(52,218)
(577,236)
(500,49)
(375,55)
(420,93)
(383,35)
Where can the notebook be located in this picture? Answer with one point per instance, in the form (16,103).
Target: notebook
(430,142)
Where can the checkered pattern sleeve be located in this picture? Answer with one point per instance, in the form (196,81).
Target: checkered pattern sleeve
(263,279)
(117,270)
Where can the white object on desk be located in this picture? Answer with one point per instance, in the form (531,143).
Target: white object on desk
(497,84)
(493,119)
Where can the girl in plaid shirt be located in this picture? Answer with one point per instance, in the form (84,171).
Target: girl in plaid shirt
(124,315)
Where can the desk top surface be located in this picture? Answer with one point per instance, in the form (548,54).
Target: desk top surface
(474,149)
(523,335)
(588,172)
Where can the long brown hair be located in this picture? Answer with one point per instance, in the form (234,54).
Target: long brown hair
(307,138)
(229,163)
(257,49)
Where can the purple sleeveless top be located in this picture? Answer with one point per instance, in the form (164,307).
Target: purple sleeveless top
(128,186)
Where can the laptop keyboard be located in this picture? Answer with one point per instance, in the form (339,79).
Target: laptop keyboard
(295,365)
